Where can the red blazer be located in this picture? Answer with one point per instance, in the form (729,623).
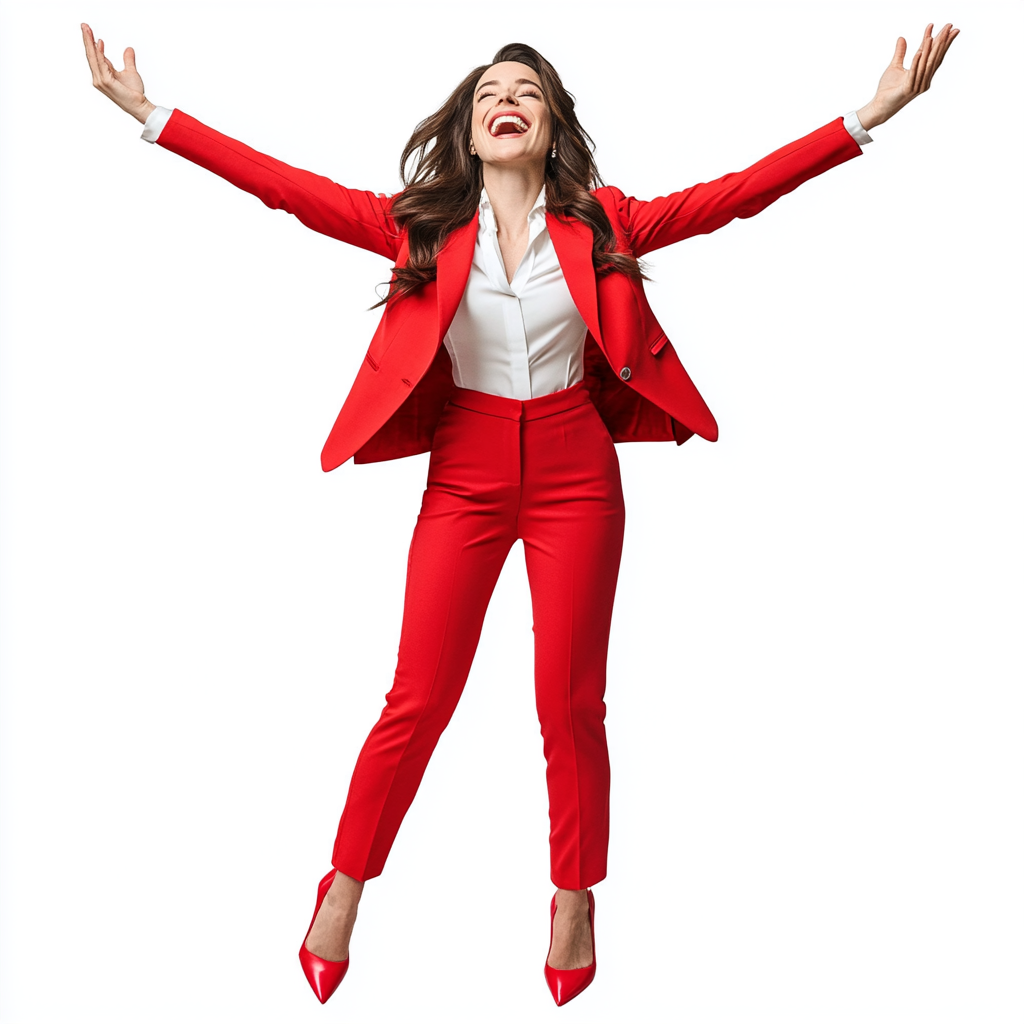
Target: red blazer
(631,370)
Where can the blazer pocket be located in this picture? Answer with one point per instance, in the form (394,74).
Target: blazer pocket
(659,343)
(379,343)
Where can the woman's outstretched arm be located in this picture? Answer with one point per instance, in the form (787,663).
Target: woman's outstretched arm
(705,207)
(358,217)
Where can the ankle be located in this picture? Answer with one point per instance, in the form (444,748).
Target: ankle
(580,893)
(571,899)
(345,888)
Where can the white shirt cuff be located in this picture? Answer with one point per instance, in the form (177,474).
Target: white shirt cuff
(851,122)
(158,117)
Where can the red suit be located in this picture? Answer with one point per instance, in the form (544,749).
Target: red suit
(542,470)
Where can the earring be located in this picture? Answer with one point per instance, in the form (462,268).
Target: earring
(554,151)
(472,148)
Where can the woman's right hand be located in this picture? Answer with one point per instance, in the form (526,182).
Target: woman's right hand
(125,88)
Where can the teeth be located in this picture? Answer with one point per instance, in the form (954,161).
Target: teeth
(508,119)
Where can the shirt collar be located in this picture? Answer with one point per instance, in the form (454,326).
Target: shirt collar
(487,211)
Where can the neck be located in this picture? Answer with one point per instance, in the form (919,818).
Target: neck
(512,192)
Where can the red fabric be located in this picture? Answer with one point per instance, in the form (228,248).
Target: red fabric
(543,470)
(639,386)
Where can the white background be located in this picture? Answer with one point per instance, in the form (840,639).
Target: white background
(814,682)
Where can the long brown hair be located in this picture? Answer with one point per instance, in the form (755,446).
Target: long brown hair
(443,181)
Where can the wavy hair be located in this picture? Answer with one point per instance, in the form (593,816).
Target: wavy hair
(443,181)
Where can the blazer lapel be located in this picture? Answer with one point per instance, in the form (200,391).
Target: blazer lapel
(574,243)
(453,265)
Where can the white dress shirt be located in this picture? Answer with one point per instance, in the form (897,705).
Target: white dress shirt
(521,338)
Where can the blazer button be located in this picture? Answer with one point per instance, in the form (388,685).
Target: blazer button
(625,373)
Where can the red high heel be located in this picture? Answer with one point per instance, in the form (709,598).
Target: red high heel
(324,976)
(566,985)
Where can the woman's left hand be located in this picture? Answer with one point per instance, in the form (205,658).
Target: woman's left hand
(899,85)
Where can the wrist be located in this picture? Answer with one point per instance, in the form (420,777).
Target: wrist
(869,116)
(143,110)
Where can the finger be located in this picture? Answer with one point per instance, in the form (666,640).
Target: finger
(949,42)
(926,48)
(934,53)
(920,63)
(900,54)
(941,52)
(947,36)
(90,50)
(912,73)
(103,71)
(129,60)
(933,56)
(104,59)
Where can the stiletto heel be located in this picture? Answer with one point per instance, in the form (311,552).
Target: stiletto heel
(324,976)
(566,985)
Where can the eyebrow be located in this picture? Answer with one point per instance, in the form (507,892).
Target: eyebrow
(519,81)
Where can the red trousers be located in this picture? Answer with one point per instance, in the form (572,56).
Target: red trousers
(544,470)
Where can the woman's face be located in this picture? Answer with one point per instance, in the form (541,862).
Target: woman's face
(511,120)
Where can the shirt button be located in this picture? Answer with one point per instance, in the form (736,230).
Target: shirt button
(625,373)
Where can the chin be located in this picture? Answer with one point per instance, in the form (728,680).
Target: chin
(522,156)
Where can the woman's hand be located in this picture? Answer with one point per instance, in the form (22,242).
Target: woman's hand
(125,88)
(898,86)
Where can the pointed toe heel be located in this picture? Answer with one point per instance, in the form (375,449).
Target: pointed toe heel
(324,976)
(566,985)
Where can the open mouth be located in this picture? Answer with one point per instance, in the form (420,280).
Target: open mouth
(508,124)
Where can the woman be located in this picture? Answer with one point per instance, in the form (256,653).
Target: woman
(516,345)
